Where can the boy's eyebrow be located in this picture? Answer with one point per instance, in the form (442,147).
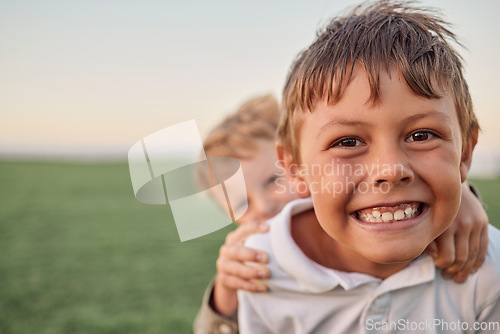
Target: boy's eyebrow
(410,119)
(342,122)
(431,113)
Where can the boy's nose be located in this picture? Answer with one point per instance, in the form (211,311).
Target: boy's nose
(391,167)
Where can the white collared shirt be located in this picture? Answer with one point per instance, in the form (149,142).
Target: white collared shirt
(306,297)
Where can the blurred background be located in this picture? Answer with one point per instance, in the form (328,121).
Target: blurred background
(82,81)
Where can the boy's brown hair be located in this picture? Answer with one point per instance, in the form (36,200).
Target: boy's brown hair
(376,36)
(237,135)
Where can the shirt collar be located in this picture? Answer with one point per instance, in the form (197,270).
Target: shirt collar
(310,275)
(419,271)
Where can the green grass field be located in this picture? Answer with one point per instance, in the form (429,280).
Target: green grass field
(78,253)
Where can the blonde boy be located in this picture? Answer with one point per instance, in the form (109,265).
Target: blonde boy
(248,135)
(380,91)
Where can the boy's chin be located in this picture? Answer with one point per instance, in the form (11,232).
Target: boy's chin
(394,256)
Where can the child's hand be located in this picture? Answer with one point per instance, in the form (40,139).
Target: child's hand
(234,271)
(461,249)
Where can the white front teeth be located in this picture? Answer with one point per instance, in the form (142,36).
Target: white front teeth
(398,215)
(389,214)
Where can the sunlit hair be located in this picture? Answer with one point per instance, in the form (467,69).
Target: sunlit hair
(376,35)
(237,135)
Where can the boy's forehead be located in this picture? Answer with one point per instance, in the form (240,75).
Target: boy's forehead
(357,104)
(369,89)
(359,88)
(257,151)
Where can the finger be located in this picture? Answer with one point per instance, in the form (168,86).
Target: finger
(241,270)
(432,249)
(461,255)
(483,249)
(241,253)
(474,241)
(236,283)
(244,230)
(446,250)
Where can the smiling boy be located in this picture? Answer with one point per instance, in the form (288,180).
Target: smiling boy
(381,86)
(420,137)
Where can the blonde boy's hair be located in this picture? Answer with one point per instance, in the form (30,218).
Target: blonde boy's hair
(237,135)
(376,36)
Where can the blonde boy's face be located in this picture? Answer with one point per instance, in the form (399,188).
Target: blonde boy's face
(385,177)
(264,195)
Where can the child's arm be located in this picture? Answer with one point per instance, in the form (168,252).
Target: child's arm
(208,321)
(233,273)
(461,249)
(220,302)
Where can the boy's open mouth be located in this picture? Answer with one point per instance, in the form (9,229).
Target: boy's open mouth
(389,214)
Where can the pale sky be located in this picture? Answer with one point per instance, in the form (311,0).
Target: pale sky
(79,77)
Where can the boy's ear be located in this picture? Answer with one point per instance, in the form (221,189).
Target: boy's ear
(292,172)
(466,160)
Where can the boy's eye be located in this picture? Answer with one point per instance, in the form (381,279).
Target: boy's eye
(241,204)
(271,179)
(347,142)
(420,136)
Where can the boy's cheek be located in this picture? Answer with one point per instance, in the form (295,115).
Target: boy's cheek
(439,166)
(444,182)
(299,183)
(333,185)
